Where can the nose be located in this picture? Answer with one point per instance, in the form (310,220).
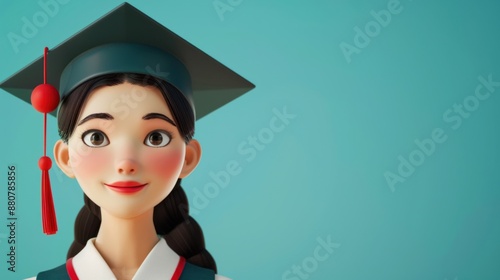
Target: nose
(126,167)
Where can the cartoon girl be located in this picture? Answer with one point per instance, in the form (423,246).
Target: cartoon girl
(127,137)
(131,173)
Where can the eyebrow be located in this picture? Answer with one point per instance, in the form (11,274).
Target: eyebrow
(159,116)
(104,116)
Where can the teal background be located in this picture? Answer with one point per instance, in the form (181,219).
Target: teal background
(322,176)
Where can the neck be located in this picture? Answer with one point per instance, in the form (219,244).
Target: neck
(125,243)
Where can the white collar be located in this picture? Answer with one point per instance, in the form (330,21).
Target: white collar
(160,263)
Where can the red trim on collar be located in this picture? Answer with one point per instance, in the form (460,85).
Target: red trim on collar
(71,270)
(179,268)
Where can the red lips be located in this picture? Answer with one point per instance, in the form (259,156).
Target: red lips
(126,187)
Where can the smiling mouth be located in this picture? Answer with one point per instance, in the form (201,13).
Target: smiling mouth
(126,187)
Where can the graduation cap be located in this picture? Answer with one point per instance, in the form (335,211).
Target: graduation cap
(123,41)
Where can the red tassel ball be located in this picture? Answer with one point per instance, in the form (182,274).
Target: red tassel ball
(45,98)
(45,163)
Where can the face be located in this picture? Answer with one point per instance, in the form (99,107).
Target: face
(126,151)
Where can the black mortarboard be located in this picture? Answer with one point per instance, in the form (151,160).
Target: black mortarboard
(128,41)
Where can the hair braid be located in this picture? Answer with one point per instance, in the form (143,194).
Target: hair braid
(87,225)
(182,233)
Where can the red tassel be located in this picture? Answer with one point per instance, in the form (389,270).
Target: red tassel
(45,99)
(49,220)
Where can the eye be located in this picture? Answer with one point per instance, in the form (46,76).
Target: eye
(157,139)
(95,139)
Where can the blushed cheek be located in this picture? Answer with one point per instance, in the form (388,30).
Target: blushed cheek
(166,164)
(88,161)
